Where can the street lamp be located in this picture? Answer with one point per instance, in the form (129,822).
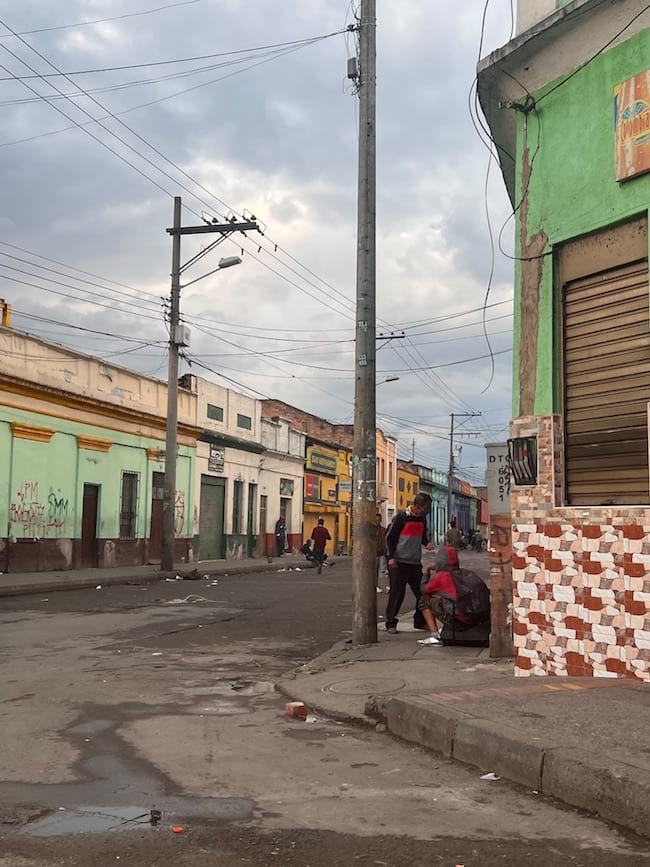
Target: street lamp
(390,379)
(229,261)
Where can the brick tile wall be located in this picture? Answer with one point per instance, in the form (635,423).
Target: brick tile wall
(581,576)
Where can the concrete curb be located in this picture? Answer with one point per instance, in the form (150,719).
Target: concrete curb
(51,585)
(613,790)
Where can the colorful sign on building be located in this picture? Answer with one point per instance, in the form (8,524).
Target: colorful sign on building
(632,121)
(321,459)
(286,487)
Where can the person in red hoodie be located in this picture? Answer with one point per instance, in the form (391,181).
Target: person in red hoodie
(438,586)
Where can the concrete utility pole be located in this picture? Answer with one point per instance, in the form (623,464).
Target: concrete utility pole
(364,578)
(450,475)
(171,440)
(178,338)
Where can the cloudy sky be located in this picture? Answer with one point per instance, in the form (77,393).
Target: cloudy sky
(271,130)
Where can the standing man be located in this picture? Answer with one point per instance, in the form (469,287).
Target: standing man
(454,536)
(404,541)
(321,536)
(280,535)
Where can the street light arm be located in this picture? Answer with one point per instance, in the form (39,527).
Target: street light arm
(224,263)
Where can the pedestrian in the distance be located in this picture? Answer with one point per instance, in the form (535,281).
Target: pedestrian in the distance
(382,563)
(454,536)
(280,536)
(321,536)
(404,541)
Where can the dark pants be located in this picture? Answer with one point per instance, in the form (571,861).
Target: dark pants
(400,576)
(281,543)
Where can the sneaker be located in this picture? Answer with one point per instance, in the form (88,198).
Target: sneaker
(392,630)
(431,641)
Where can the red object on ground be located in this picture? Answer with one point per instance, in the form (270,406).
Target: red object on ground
(296,710)
(177,829)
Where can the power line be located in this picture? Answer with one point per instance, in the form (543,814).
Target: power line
(153,301)
(78,298)
(192,59)
(50,321)
(104,20)
(145,158)
(593,57)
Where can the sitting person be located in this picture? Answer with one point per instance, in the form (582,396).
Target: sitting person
(454,596)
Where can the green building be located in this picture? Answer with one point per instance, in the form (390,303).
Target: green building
(567,101)
(82,448)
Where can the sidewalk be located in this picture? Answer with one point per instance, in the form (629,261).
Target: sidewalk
(28,583)
(582,741)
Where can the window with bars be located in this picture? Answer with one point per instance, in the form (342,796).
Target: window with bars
(129,505)
(606,367)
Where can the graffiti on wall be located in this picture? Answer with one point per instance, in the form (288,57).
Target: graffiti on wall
(34,516)
(27,510)
(179,513)
(57,510)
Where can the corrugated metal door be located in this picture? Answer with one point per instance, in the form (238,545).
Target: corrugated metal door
(606,325)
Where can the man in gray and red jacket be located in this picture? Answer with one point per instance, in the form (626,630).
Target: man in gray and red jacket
(404,541)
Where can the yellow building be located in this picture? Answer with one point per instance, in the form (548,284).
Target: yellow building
(328,493)
(408,482)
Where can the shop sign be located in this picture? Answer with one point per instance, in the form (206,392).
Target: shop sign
(216,459)
(345,487)
(632,126)
(312,487)
(319,459)
(286,487)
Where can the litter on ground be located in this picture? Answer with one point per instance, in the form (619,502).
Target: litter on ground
(491,777)
(192,598)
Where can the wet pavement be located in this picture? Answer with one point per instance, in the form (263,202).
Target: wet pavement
(121,701)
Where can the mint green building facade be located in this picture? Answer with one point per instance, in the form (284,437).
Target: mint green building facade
(81,474)
(568,105)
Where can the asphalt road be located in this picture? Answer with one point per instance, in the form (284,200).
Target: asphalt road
(117,701)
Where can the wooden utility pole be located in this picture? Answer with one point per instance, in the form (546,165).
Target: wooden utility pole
(364,554)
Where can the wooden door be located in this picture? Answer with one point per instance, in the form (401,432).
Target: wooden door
(89,527)
(156,529)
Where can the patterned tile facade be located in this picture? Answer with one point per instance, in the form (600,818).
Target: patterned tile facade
(581,576)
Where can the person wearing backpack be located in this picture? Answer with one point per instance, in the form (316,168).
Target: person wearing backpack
(452,596)
(405,538)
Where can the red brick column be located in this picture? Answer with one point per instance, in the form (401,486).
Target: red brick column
(500,555)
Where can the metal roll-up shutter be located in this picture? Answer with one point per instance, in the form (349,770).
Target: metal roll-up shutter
(606,344)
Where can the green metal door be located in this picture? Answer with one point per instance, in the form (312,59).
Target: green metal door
(213,497)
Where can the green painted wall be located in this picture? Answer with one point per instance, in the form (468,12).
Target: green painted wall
(572,189)
(41,484)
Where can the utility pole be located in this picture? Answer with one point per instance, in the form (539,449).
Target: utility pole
(413,451)
(364,583)
(171,440)
(450,476)
(177,338)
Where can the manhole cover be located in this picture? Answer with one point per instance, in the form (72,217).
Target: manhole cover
(367,686)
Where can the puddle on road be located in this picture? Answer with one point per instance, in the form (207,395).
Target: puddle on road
(89,820)
(103,820)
